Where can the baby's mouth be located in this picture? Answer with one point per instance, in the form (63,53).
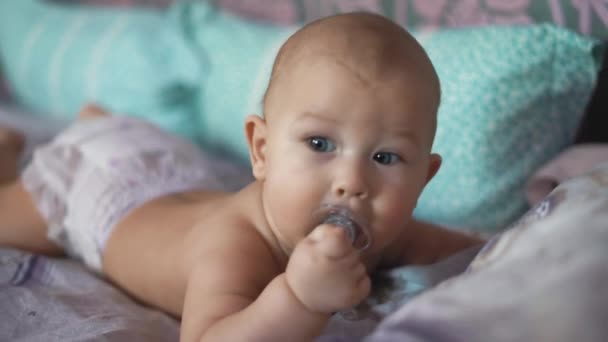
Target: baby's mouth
(344,218)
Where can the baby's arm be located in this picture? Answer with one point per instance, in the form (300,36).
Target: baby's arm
(426,243)
(232,296)
(223,310)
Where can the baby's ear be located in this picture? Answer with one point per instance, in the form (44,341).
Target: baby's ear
(255,131)
(434,164)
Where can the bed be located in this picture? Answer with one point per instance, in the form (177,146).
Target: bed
(526,169)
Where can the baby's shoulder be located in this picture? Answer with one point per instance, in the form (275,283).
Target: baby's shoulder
(229,235)
(233,252)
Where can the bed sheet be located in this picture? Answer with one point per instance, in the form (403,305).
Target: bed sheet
(57,299)
(43,299)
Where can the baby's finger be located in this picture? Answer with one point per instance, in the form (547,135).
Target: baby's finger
(319,233)
(351,260)
(335,243)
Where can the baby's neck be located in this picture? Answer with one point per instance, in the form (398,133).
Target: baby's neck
(254,206)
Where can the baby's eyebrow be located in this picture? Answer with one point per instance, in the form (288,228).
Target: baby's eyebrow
(314,116)
(406,134)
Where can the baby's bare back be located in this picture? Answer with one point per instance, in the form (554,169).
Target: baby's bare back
(153,250)
(145,254)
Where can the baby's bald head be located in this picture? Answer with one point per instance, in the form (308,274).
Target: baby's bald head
(349,118)
(371,46)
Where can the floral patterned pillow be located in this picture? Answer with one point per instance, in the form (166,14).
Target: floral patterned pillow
(585,16)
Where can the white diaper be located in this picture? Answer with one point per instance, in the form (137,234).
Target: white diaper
(95,172)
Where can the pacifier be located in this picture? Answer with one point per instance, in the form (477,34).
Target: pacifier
(358,235)
(341,217)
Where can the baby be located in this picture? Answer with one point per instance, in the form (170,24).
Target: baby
(339,157)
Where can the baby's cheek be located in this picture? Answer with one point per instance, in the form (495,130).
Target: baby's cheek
(392,217)
(397,200)
(293,198)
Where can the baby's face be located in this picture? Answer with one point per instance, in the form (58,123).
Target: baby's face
(335,139)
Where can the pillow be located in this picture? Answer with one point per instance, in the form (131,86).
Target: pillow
(190,70)
(587,17)
(238,59)
(57,57)
(57,299)
(512,97)
(511,100)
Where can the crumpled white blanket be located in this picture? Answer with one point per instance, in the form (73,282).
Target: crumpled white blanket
(544,280)
(575,160)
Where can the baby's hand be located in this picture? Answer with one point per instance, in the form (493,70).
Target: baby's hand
(325,271)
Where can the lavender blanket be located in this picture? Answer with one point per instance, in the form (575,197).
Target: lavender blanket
(55,299)
(58,300)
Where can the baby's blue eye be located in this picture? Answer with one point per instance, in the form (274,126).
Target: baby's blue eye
(320,144)
(386,158)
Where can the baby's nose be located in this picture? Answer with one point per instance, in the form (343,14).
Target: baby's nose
(351,182)
(347,190)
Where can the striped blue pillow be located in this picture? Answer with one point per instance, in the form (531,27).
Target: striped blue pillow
(57,57)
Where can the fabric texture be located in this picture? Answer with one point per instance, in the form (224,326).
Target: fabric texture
(58,300)
(510,101)
(573,161)
(58,57)
(587,17)
(91,175)
(391,290)
(238,60)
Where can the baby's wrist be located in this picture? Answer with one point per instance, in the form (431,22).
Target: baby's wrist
(300,302)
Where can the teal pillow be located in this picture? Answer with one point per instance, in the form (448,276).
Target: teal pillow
(239,56)
(512,98)
(193,70)
(137,62)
